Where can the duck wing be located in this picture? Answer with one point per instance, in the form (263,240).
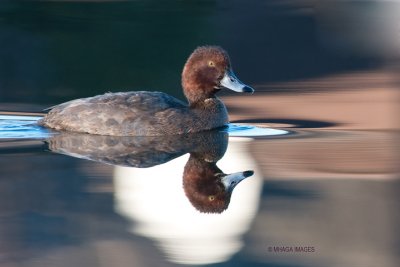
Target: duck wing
(121,114)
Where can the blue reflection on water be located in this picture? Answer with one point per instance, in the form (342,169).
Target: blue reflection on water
(253,131)
(15,126)
(12,126)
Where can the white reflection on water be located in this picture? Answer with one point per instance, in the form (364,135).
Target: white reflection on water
(154,200)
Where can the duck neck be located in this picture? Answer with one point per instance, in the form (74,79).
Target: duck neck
(196,97)
(204,103)
(196,92)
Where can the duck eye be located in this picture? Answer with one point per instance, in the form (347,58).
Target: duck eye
(211,63)
(211,198)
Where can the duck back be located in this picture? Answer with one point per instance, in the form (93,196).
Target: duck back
(139,113)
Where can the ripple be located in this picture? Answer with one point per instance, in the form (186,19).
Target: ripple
(240,130)
(14,127)
(17,126)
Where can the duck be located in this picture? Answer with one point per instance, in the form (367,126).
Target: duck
(148,113)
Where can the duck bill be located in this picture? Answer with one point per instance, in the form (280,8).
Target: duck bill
(230,181)
(230,81)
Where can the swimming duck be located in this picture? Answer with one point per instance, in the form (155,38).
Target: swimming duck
(142,113)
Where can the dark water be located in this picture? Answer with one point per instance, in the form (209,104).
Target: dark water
(316,145)
(59,50)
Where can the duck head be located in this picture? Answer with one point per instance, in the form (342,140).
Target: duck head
(207,187)
(208,70)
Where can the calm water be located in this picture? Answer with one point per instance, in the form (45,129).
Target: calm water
(316,198)
(314,152)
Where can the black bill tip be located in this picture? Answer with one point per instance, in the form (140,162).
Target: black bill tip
(248,89)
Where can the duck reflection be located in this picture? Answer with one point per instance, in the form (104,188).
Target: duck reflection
(183,218)
(205,185)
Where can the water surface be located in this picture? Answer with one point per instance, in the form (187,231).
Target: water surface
(100,201)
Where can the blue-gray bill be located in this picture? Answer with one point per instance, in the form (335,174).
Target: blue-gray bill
(230,81)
